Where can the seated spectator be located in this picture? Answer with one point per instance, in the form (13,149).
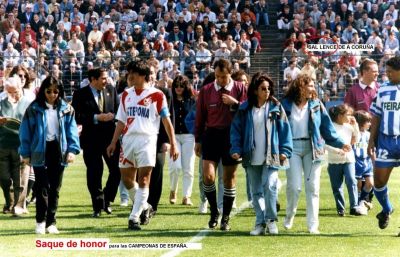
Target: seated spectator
(347,34)
(176,38)
(11,55)
(187,58)
(330,84)
(230,43)
(165,81)
(76,45)
(288,53)
(166,63)
(214,44)
(240,56)
(107,24)
(345,81)
(90,54)
(255,38)
(309,70)
(392,43)
(103,57)
(95,36)
(160,45)
(71,80)
(205,71)
(291,71)
(146,51)
(222,53)
(245,42)
(203,55)
(174,72)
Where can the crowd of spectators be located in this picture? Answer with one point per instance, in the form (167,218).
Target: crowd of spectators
(68,37)
(336,22)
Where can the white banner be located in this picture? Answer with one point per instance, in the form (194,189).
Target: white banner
(339,47)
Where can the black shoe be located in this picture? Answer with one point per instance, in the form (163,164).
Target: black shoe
(225,223)
(6,210)
(152,213)
(145,216)
(383,219)
(133,225)
(340,213)
(96,214)
(107,208)
(213,220)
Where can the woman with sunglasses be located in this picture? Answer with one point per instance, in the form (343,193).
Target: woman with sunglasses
(261,136)
(182,102)
(49,141)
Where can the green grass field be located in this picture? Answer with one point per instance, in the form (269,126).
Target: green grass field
(348,236)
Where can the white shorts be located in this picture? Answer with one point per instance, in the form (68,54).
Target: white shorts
(138,151)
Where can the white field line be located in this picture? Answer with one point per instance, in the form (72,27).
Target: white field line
(204,232)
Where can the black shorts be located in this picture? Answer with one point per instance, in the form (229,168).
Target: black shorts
(216,145)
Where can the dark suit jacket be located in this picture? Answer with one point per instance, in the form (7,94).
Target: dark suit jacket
(84,103)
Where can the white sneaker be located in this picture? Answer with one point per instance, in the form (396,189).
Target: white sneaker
(314,231)
(52,229)
(203,207)
(272,227)
(258,230)
(40,228)
(362,209)
(124,203)
(288,223)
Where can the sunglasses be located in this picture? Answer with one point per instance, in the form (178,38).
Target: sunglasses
(22,76)
(264,89)
(179,86)
(48,91)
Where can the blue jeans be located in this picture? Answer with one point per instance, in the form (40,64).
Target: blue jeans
(265,18)
(263,184)
(336,174)
(123,192)
(248,187)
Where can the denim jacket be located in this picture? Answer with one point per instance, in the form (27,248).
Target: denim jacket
(320,127)
(279,135)
(33,133)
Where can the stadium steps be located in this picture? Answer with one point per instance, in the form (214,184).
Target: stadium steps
(270,58)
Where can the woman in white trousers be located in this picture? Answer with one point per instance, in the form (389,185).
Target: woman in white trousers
(311,128)
(182,102)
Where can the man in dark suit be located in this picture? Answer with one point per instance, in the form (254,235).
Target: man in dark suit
(95,107)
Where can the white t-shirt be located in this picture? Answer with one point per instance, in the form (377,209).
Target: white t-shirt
(299,121)
(141,111)
(345,132)
(52,123)
(259,122)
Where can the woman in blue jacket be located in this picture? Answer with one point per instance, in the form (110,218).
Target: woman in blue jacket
(261,136)
(49,141)
(311,128)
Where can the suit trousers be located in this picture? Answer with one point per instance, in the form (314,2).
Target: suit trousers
(93,158)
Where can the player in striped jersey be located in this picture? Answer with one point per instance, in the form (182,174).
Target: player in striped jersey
(363,161)
(139,114)
(384,143)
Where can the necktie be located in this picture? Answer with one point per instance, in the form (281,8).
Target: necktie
(100,101)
